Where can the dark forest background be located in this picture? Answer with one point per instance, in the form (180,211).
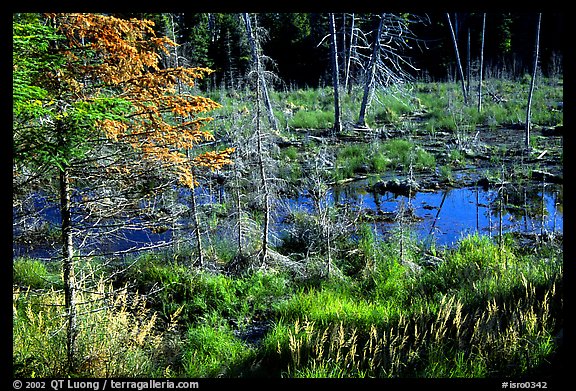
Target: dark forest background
(299,56)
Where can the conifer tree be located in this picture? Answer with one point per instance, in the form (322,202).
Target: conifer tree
(80,77)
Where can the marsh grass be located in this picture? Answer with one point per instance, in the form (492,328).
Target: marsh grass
(391,107)
(118,334)
(497,338)
(198,295)
(377,157)
(312,119)
(504,104)
(35,274)
(487,310)
(212,350)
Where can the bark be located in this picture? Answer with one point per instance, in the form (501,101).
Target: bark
(458,62)
(68,270)
(370,74)
(534,69)
(335,82)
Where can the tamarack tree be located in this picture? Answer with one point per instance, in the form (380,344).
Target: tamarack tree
(79,77)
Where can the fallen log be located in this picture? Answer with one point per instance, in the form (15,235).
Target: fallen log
(547,177)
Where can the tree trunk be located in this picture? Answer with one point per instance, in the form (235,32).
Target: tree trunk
(534,69)
(335,82)
(196,222)
(370,72)
(254,44)
(481,64)
(347,84)
(458,62)
(263,178)
(239,210)
(68,270)
(468,65)
(342,66)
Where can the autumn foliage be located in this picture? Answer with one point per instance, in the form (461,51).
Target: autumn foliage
(121,58)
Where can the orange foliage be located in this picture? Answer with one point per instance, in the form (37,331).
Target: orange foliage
(124,60)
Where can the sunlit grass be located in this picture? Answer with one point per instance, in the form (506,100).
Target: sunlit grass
(118,334)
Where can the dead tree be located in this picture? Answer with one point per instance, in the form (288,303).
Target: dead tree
(335,75)
(196,227)
(534,70)
(468,64)
(254,41)
(458,62)
(481,63)
(385,65)
(370,75)
(347,85)
(261,97)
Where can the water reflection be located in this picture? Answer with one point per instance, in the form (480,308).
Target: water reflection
(444,216)
(447,215)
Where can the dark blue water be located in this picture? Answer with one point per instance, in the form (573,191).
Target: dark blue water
(101,237)
(442,216)
(448,215)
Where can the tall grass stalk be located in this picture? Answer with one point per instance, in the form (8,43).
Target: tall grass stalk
(118,334)
(497,337)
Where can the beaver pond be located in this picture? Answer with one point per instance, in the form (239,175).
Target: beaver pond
(497,190)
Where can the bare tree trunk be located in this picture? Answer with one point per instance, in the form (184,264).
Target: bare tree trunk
(534,69)
(348,86)
(468,65)
(196,222)
(239,210)
(458,62)
(262,80)
(68,270)
(481,64)
(262,170)
(335,82)
(172,31)
(344,48)
(261,94)
(229,58)
(370,73)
